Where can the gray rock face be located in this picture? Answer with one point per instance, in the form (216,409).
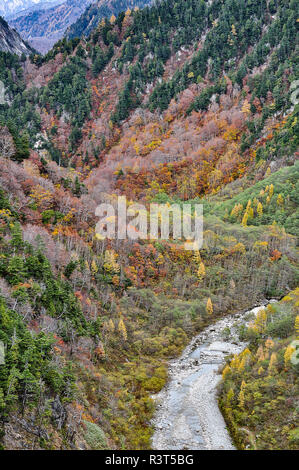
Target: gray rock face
(59,414)
(11,41)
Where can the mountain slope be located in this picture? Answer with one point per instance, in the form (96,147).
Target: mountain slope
(42,28)
(11,41)
(260,393)
(99,10)
(9,8)
(179,102)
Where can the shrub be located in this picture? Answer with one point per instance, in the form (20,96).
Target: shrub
(95,436)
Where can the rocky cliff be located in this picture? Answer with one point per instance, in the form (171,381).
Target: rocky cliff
(11,41)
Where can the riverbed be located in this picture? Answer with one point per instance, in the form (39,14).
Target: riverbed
(187,415)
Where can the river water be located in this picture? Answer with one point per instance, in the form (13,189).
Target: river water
(187,415)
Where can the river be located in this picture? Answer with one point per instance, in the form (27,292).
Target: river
(187,414)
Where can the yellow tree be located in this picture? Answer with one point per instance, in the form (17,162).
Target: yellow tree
(230,396)
(111,326)
(209,307)
(110,263)
(201,271)
(122,329)
(269,343)
(94,267)
(268,172)
(197,257)
(260,322)
(297,326)
(272,363)
(246,107)
(242,395)
(259,209)
(245,219)
(43,198)
(242,365)
(279,200)
(288,354)
(226,371)
(235,362)
(237,209)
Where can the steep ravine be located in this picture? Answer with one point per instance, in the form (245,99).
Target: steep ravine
(187,415)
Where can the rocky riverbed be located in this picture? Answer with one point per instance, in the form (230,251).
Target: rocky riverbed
(187,415)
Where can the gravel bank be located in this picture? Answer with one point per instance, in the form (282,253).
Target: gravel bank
(187,415)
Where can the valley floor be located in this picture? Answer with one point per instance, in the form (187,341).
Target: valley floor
(188,415)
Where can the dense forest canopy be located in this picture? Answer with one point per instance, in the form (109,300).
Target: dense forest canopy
(182,101)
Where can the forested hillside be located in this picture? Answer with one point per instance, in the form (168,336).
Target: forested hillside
(92,16)
(180,101)
(260,386)
(43,27)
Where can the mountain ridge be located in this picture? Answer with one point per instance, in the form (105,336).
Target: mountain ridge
(9,8)
(11,41)
(183,102)
(42,28)
(99,10)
